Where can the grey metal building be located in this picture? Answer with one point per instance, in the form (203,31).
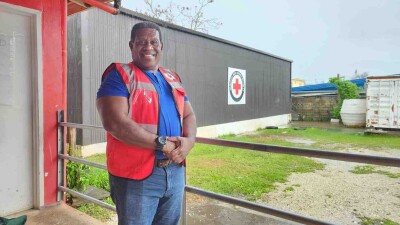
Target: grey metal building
(96,39)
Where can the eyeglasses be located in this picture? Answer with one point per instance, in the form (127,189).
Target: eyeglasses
(142,43)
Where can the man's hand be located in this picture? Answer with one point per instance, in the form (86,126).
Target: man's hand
(183,147)
(169,146)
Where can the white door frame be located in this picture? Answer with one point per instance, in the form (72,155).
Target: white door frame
(37,99)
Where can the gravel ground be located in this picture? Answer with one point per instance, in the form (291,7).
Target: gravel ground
(339,196)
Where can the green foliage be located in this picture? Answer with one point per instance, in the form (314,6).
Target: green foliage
(363,169)
(370,221)
(336,111)
(288,189)
(346,90)
(372,169)
(98,177)
(97,211)
(77,176)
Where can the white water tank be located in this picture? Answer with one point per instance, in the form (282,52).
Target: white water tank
(353,112)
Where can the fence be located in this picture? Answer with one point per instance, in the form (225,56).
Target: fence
(376,160)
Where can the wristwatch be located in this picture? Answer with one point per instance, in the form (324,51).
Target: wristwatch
(161,141)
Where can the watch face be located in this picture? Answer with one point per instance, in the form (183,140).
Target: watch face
(162,140)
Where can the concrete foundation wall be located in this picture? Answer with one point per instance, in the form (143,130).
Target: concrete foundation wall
(242,126)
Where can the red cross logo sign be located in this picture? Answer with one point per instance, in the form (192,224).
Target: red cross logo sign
(237,87)
(169,75)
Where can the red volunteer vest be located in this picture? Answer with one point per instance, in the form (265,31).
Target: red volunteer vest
(130,161)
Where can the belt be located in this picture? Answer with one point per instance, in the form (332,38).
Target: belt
(163,162)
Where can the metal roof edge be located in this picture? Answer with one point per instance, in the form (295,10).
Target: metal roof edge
(130,13)
(317,91)
(384,77)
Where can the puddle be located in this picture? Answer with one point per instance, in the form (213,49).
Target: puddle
(211,212)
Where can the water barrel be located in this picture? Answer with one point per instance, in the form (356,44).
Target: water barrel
(353,112)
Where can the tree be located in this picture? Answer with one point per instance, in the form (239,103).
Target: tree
(362,75)
(346,90)
(191,17)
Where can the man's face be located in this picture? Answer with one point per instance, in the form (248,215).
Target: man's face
(146,49)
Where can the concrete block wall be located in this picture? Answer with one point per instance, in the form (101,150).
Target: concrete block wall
(313,108)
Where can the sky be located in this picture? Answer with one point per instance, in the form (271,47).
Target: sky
(323,38)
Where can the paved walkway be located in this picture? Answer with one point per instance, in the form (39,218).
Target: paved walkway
(57,215)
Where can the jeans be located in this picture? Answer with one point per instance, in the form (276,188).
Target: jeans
(157,200)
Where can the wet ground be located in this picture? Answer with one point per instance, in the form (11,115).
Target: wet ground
(205,211)
(341,128)
(327,125)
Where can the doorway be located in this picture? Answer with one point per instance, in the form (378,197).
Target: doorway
(20,137)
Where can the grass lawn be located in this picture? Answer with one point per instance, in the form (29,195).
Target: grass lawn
(323,138)
(248,174)
(242,173)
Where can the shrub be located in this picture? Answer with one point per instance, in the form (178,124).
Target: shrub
(346,90)
(77,176)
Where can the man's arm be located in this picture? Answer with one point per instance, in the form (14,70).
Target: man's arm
(186,142)
(189,123)
(113,112)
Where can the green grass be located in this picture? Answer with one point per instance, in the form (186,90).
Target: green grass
(324,137)
(372,169)
(96,211)
(370,221)
(99,158)
(242,173)
(289,189)
(98,177)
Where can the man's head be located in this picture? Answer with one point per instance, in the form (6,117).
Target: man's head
(146,45)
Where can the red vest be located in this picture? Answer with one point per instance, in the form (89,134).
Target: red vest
(126,160)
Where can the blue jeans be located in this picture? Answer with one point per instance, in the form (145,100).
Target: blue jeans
(157,200)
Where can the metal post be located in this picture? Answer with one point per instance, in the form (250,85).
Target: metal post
(183,217)
(60,148)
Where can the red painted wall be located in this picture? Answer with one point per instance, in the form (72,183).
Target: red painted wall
(54,82)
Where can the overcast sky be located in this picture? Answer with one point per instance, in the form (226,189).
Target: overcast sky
(321,37)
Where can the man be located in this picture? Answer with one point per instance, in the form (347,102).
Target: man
(151,129)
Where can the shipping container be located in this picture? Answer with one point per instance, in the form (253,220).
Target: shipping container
(383,102)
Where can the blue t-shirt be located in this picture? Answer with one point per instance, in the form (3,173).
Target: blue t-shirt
(169,124)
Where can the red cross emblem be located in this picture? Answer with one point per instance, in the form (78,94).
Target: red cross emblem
(236,86)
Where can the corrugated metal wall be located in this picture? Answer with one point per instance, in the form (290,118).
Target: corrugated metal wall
(74,78)
(201,60)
